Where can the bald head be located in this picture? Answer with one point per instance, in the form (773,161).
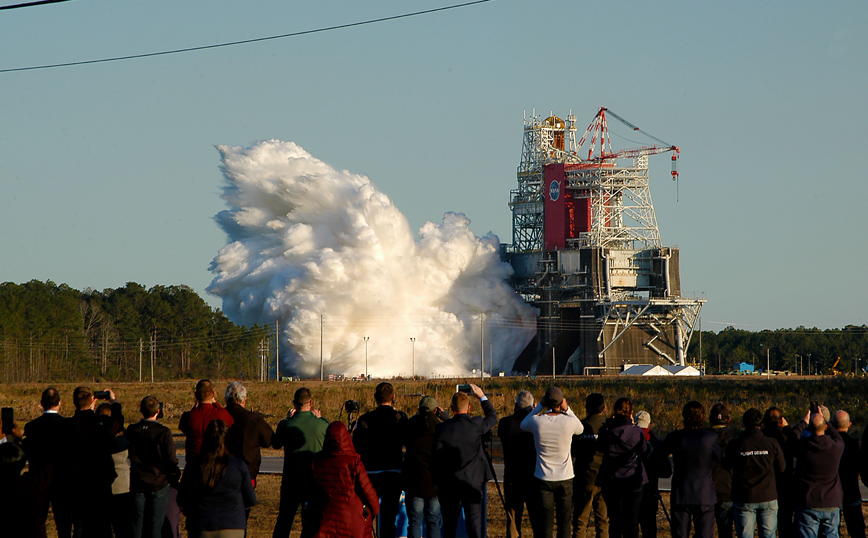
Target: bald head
(818,424)
(842,420)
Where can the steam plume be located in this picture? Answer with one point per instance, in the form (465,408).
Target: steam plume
(306,241)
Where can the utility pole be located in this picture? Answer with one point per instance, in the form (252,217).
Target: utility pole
(320,348)
(413,341)
(277,348)
(482,349)
(768,365)
(553,363)
(141,348)
(366,356)
(153,353)
(490,359)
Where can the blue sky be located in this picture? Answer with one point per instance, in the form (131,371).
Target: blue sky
(109,172)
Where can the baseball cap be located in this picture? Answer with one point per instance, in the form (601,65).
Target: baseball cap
(553,398)
(719,414)
(643,419)
(427,403)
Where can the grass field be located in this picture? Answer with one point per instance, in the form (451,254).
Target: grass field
(663,398)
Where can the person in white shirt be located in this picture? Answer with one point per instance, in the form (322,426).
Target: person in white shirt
(553,425)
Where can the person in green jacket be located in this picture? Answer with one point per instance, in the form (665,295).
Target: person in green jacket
(301,435)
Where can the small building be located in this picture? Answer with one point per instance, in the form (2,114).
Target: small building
(682,370)
(744,368)
(644,370)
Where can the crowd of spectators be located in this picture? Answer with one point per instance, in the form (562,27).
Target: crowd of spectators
(101,479)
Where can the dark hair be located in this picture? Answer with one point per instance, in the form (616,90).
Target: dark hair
(213,456)
(719,414)
(50,398)
(595,403)
(104,408)
(149,406)
(81,397)
(12,460)
(623,407)
(385,393)
(204,390)
(773,417)
(301,397)
(752,418)
(693,414)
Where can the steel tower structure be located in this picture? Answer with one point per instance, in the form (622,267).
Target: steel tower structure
(587,252)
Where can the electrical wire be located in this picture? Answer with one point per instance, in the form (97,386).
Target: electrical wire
(244,41)
(31,4)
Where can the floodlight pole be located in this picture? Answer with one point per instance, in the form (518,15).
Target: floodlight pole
(366,356)
(413,340)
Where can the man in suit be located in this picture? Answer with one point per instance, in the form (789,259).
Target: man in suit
(43,435)
(693,495)
(459,463)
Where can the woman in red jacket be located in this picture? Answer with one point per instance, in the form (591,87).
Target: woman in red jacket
(347,502)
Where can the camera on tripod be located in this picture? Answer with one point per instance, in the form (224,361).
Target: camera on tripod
(352,406)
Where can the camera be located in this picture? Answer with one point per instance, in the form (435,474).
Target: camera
(160,414)
(351,406)
(101,394)
(462,388)
(8,416)
(815,408)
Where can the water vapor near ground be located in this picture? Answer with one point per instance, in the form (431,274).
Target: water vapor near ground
(311,247)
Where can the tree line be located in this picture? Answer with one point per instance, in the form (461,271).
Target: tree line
(800,350)
(51,332)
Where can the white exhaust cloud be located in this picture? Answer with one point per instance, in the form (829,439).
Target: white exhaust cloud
(312,247)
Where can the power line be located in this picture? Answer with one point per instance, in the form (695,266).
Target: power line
(30,4)
(244,41)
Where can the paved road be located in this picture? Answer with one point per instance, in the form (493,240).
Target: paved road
(275,466)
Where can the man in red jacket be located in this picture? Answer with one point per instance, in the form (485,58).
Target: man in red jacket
(194,421)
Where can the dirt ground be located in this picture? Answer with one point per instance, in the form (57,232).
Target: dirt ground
(264,514)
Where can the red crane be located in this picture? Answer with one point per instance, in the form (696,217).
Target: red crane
(601,130)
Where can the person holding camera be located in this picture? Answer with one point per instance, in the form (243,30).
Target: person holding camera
(153,467)
(205,409)
(421,498)
(553,425)
(378,439)
(87,461)
(459,465)
(818,491)
(301,435)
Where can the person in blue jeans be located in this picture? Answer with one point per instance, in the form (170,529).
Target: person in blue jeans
(153,466)
(818,491)
(420,499)
(754,460)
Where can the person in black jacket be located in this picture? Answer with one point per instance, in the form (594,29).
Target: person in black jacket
(754,460)
(693,450)
(817,485)
(87,461)
(459,463)
(519,462)
(420,492)
(249,433)
(657,466)
(719,418)
(622,474)
(43,434)
(153,467)
(776,427)
(587,495)
(377,439)
(23,496)
(848,470)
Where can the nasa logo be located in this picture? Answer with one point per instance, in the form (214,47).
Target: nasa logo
(555,190)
